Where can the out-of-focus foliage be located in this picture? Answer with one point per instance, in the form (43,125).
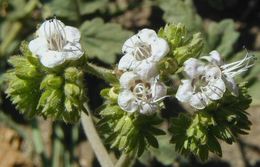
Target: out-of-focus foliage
(181,11)
(102,40)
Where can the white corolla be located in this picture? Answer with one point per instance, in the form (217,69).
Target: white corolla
(229,71)
(56,43)
(140,95)
(203,84)
(141,53)
(207,81)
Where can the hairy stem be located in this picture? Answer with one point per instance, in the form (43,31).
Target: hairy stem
(101,72)
(94,139)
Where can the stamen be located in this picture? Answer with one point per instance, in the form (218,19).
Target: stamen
(56,36)
(239,67)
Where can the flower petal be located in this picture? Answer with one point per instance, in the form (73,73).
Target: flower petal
(215,89)
(72,51)
(128,46)
(199,101)
(159,49)
(159,90)
(231,85)
(193,67)
(38,46)
(72,34)
(127,79)
(216,58)
(127,62)
(147,35)
(212,72)
(126,101)
(51,59)
(148,109)
(184,91)
(50,27)
(146,70)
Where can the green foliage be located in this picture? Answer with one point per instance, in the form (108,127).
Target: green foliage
(223,120)
(66,9)
(222,37)
(73,10)
(130,133)
(91,6)
(252,76)
(102,40)
(218,36)
(37,91)
(183,45)
(164,154)
(181,11)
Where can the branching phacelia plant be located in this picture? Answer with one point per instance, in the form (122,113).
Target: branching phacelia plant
(48,80)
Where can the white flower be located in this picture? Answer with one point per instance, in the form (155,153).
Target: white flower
(229,71)
(203,84)
(142,52)
(56,43)
(140,95)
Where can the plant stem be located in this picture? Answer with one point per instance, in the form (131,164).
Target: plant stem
(38,143)
(94,139)
(125,160)
(57,145)
(101,72)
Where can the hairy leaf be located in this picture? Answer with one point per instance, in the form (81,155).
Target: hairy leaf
(181,11)
(102,40)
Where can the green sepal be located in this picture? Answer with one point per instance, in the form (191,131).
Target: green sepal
(192,49)
(129,133)
(52,81)
(183,44)
(175,34)
(57,93)
(167,66)
(224,119)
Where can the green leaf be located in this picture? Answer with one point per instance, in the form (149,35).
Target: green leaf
(91,6)
(222,36)
(66,9)
(103,40)
(151,140)
(181,11)
(164,154)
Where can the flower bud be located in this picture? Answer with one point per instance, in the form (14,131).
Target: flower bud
(71,90)
(56,94)
(52,81)
(192,49)
(176,35)
(72,74)
(167,66)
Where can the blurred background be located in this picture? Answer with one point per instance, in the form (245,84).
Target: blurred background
(227,26)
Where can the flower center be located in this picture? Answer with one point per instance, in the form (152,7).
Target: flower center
(198,83)
(56,42)
(142,91)
(142,51)
(56,39)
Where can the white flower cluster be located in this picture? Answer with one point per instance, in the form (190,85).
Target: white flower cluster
(141,90)
(56,43)
(207,81)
